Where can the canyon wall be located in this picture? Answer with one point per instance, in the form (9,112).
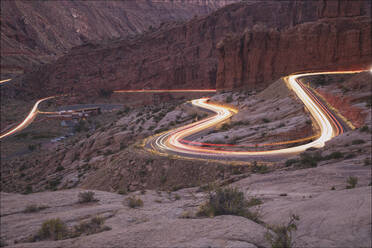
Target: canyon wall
(184,55)
(34,32)
(260,55)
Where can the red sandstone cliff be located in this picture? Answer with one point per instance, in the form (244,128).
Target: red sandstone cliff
(261,55)
(34,32)
(185,55)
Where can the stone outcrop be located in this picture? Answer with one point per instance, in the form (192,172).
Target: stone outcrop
(260,55)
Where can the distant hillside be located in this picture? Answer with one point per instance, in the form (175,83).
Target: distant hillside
(184,55)
(34,32)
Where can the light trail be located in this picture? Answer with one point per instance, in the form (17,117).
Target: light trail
(252,145)
(172,141)
(28,120)
(5,80)
(166,91)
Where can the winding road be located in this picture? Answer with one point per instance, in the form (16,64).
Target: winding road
(172,142)
(28,120)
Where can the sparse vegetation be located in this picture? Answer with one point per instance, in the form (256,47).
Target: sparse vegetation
(262,169)
(28,190)
(60,168)
(309,160)
(364,129)
(334,155)
(351,182)
(358,142)
(289,162)
(134,202)
(106,93)
(227,201)
(95,225)
(87,196)
(53,229)
(283,234)
(123,191)
(33,208)
(265,120)
(186,215)
(81,126)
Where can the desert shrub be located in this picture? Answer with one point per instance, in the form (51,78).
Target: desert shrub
(134,202)
(53,229)
(259,168)
(225,126)
(358,142)
(289,162)
(229,99)
(352,182)
(309,160)
(81,126)
(33,208)
(105,93)
(236,171)
(265,120)
(364,129)
(54,183)
(283,234)
(163,178)
(87,196)
(186,215)
(334,155)
(177,197)
(226,201)
(123,191)
(95,225)
(60,168)
(28,189)
(254,202)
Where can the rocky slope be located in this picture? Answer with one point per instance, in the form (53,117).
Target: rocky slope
(34,32)
(259,56)
(178,55)
(330,215)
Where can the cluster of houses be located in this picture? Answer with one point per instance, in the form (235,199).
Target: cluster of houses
(75,114)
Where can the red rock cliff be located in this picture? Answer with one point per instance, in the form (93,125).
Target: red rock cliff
(261,55)
(176,55)
(340,39)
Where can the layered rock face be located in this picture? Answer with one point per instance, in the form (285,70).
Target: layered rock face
(261,55)
(174,56)
(185,55)
(34,32)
